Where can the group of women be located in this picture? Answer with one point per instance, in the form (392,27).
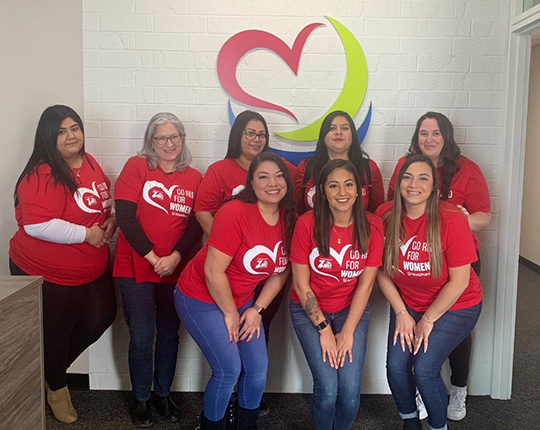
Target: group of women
(418,246)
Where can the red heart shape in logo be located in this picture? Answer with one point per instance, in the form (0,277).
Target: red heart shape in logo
(241,43)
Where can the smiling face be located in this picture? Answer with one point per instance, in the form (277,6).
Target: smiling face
(339,139)
(341,191)
(269,183)
(249,149)
(69,140)
(430,140)
(167,151)
(416,185)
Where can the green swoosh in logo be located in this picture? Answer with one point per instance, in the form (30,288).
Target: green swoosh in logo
(354,88)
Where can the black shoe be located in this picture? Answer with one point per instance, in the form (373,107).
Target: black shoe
(206,424)
(263,409)
(142,415)
(412,424)
(230,414)
(167,409)
(247,419)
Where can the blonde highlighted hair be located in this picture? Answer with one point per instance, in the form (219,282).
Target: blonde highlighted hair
(395,232)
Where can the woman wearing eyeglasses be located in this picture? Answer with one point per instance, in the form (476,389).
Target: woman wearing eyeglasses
(154,197)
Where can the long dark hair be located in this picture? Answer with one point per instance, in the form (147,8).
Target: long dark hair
(324,218)
(395,232)
(287,203)
(45,151)
(234,148)
(356,154)
(449,153)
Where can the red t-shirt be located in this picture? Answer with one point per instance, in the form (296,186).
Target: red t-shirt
(256,248)
(468,188)
(417,287)
(334,279)
(40,200)
(222,180)
(377,190)
(164,205)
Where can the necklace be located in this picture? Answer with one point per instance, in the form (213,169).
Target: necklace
(76,171)
(339,235)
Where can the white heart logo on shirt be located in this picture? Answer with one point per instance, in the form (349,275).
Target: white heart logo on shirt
(151,199)
(258,250)
(311,195)
(84,201)
(238,189)
(337,256)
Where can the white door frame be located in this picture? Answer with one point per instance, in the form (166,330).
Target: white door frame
(522,25)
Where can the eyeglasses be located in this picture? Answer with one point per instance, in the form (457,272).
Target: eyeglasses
(251,135)
(162,140)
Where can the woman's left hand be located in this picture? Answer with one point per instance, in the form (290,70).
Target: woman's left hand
(166,266)
(344,342)
(250,323)
(422,332)
(109,227)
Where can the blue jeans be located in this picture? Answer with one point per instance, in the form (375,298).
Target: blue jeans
(149,307)
(336,392)
(245,363)
(448,332)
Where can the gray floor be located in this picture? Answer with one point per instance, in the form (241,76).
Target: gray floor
(108,409)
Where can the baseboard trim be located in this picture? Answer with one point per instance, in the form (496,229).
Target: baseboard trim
(78,381)
(533,266)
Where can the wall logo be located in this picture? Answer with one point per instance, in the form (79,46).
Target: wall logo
(349,100)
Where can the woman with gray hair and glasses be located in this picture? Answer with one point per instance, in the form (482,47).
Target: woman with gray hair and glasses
(154,197)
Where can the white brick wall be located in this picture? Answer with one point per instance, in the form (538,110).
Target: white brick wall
(145,56)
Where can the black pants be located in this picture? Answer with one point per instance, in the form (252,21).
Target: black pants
(73,319)
(460,357)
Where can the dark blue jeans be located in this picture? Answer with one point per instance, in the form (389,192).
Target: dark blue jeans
(448,332)
(336,392)
(245,363)
(149,313)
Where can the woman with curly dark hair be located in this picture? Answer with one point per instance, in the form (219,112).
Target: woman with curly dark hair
(215,299)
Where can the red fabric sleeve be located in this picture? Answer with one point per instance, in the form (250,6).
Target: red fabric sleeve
(40,199)
(209,193)
(226,234)
(301,241)
(376,241)
(130,182)
(377,187)
(460,244)
(393,179)
(476,191)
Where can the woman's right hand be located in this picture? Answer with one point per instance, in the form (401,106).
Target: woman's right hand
(405,330)
(95,236)
(329,346)
(232,322)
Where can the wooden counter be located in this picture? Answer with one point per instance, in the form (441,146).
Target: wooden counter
(21,353)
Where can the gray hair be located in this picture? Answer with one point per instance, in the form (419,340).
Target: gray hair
(184,158)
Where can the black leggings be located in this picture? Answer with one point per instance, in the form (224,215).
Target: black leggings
(74,317)
(460,357)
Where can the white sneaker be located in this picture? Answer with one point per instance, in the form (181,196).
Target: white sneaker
(456,405)
(422,411)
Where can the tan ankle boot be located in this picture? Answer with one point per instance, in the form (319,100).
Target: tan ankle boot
(60,403)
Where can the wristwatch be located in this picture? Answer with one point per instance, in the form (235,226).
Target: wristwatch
(323,325)
(260,310)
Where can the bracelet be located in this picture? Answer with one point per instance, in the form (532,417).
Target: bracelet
(426,319)
(260,310)
(401,312)
(323,325)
